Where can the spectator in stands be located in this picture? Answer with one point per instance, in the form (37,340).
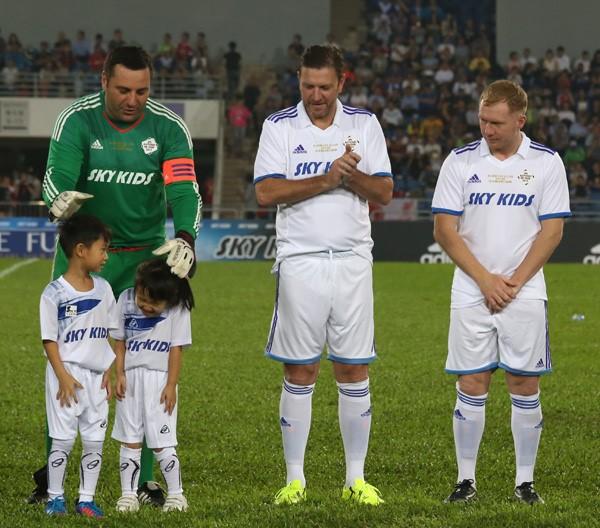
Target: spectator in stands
(184,51)
(562,59)
(579,189)
(233,61)
(550,65)
(42,56)
(10,76)
(409,103)
(166,46)
(584,61)
(251,97)
(444,74)
(574,154)
(81,51)
(295,50)
(479,63)
(392,116)
(117,40)
(528,59)
(238,116)
(97,58)
(15,53)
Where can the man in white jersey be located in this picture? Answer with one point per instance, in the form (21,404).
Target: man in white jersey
(499,207)
(321,163)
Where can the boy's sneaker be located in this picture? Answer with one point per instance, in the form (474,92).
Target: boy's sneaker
(363,493)
(89,509)
(293,493)
(175,503)
(56,506)
(463,492)
(151,493)
(128,503)
(525,493)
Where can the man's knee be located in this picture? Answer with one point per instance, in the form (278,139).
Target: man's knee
(301,374)
(350,373)
(522,385)
(476,384)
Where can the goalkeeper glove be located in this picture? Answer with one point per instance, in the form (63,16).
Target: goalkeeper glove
(66,204)
(180,254)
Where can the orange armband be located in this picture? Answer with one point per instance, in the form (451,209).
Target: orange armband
(178,170)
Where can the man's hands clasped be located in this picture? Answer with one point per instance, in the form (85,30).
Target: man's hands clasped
(342,169)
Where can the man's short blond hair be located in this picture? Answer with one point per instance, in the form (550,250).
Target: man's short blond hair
(505,92)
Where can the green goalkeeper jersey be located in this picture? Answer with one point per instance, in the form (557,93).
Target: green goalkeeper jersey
(132,169)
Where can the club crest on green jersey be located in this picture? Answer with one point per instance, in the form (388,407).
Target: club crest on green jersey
(149,145)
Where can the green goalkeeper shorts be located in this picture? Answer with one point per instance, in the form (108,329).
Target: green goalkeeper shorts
(119,269)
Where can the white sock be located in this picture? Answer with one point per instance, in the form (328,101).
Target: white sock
(57,466)
(468,425)
(129,466)
(89,469)
(526,424)
(168,461)
(295,411)
(354,411)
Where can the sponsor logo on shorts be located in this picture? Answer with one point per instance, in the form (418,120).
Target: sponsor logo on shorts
(103,425)
(540,364)
(594,256)
(165,429)
(458,415)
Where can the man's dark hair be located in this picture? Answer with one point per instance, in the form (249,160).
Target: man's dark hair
(132,57)
(155,279)
(323,56)
(81,229)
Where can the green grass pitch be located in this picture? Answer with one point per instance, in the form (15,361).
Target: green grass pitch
(230,446)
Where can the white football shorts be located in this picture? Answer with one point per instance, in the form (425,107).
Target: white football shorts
(140,414)
(323,299)
(89,415)
(515,339)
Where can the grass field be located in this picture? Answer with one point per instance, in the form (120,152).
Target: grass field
(230,446)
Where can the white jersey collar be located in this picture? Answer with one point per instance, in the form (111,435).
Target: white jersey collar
(484,148)
(306,122)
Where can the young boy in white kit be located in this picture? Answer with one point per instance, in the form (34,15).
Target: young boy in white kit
(76,312)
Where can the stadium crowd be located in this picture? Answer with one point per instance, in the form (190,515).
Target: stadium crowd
(420,67)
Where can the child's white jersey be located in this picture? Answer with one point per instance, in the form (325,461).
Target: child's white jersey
(79,322)
(292,147)
(501,205)
(148,340)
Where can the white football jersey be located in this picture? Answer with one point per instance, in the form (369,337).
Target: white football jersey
(292,147)
(79,322)
(148,340)
(501,205)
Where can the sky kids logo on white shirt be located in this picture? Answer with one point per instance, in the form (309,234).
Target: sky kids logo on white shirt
(312,168)
(514,199)
(116,176)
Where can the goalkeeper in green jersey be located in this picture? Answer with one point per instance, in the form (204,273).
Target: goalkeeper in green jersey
(122,157)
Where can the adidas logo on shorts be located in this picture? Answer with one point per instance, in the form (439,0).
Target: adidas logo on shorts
(540,364)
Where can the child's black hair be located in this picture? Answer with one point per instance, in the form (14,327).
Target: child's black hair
(155,279)
(81,229)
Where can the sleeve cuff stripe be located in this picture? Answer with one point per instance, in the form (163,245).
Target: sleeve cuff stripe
(276,175)
(437,210)
(563,214)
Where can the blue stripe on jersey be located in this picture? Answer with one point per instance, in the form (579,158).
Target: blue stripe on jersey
(261,178)
(139,323)
(555,215)
(72,309)
(542,149)
(286,116)
(466,148)
(280,112)
(541,145)
(436,210)
(387,174)
(350,110)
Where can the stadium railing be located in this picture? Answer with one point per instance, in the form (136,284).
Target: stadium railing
(77,84)
(588,210)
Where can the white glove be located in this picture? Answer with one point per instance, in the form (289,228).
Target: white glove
(180,257)
(67,203)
